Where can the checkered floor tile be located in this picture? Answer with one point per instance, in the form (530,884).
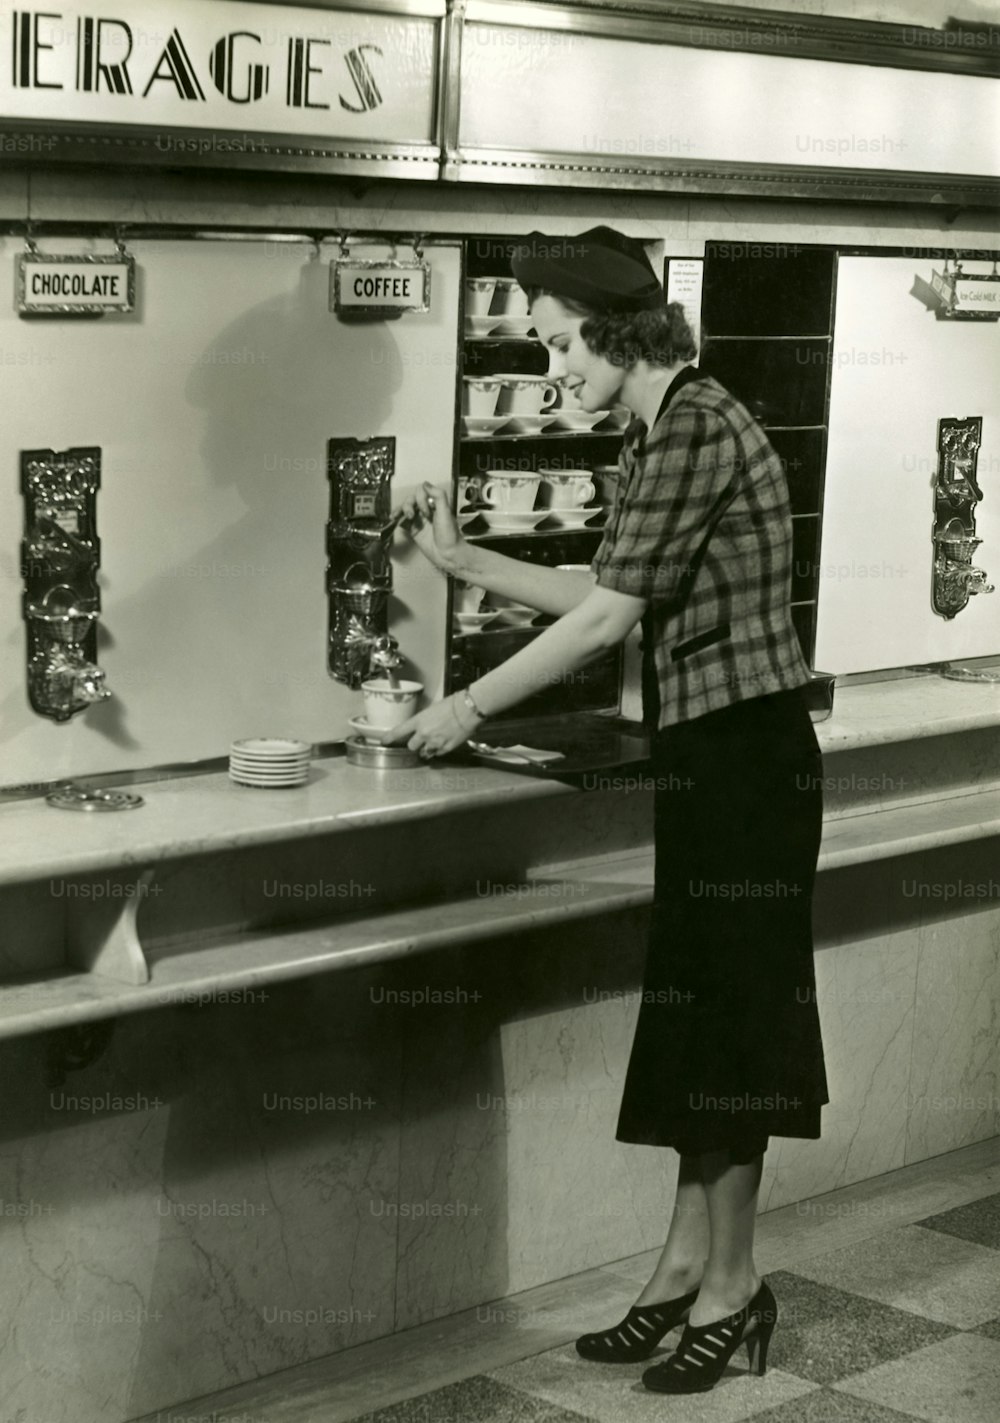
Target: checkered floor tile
(902,1327)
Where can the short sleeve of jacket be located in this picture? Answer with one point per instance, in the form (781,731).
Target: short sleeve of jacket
(681,471)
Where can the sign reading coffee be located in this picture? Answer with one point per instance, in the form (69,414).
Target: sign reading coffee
(389,286)
(184,64)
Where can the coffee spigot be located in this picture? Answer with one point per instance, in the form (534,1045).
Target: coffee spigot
(63,681)
(384,656)
(61,600)
(359,564)
(956,495)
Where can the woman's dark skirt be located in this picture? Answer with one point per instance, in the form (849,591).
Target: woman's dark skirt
(727,1047)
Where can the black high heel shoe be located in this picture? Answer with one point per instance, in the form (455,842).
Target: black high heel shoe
(635,1338)
(704,1351)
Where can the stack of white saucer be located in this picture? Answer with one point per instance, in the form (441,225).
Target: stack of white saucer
(269,761)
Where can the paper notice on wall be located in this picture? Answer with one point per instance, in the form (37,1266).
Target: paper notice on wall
(685,276)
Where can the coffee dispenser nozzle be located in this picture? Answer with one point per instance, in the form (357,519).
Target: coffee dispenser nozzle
(60,555)
(359,568)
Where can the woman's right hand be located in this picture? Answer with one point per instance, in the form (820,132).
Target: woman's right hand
(428,519)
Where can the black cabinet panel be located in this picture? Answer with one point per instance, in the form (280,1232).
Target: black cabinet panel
(489,256)
(766,289)
(801,455)
(805,558)
(780,382)
(596,686)
(804,621)
(513,357)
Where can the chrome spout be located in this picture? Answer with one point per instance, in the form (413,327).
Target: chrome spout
(62,681)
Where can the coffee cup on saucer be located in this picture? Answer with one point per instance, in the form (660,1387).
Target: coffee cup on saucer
(388,705)
(568,489)
(567,397)
(479,295)
(466,597)
(480,395)
(514,493)
(510,298)
(524,394)
(467,490)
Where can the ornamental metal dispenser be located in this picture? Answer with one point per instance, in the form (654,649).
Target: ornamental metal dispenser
(359,570)
(956,494)
(60,556)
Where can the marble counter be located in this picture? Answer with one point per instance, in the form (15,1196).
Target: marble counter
(901,709)
(207,813)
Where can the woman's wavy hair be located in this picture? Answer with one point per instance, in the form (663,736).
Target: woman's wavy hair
(661,336)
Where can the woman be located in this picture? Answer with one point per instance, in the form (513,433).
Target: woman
(727,1048)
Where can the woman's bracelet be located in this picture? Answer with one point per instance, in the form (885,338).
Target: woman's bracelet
(469,703)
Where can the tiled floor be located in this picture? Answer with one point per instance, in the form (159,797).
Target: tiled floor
(901,1323)
(903,1327)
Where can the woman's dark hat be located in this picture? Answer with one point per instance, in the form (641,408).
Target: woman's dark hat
(601,268)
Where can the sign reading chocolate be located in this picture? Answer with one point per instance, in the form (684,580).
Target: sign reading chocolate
(182,64)
(75,284)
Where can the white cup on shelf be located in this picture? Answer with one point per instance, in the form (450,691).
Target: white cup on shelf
(479,295)
(466,597)
(510,298)
(524,394)
(480,395)
(568,488)
(514,493)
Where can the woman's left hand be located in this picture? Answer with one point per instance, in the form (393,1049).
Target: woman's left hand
(436,730)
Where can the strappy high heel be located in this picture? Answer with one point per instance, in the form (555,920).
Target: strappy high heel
(635,1338)
(704,1351)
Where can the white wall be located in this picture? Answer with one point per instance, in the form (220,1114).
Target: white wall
(610,97)
(212,405)
(897,371)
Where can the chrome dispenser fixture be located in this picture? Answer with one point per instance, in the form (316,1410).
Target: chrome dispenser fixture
(359,569)
(60,556)
(956,494)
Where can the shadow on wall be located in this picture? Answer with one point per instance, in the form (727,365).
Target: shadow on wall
(314,377)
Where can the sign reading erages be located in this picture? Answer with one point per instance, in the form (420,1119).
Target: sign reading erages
(187,64)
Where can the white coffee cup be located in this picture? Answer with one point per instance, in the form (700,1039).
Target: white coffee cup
(467,597)
(387,706)
(478,295)
(606,481)
(567,398)
(515,493)
(467,490)
(568,489)
(510,298)
(524,394)
(480,395)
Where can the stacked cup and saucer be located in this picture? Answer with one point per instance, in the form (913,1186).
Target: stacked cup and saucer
(269,762)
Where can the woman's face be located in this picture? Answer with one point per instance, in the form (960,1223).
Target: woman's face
(595,379)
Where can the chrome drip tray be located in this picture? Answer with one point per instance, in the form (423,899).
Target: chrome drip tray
(92,798)
(381,758)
